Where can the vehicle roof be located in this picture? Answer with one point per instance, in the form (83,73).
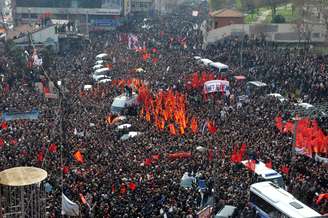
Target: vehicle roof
(262,170)
(218,65)
(226,211)
(257,83)
(105,69)
(305,105)
(101,55)
(206,61)
(282,200)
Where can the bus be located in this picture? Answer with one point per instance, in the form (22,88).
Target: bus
(271,201)
(264,173)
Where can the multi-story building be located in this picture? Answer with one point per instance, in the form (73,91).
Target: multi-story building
(95,11)
(142,6)
(166,6)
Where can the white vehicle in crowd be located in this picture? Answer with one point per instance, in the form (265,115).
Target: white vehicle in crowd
(122,102)
(100,77)
(269,200)
(104,80)
(97,66)
(205,61)
(100,62)
(264,173)
(278,96)
(101,56)
(219,67)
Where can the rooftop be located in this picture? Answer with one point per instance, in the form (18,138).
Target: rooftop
(226,13)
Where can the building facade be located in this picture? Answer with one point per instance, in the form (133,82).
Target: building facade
(142,6)
(102,12)
(226,17)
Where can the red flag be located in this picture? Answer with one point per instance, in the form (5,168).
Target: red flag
(172,129)
(2,143)
(113,188)
(123,189)
(179,155)
(13,141)
(147,162)
(46,90)
(234,155)
(40,156)
(242,151)
(210,154)
(83,199)
(285,170)
(78,157)
(53,148)
(289,127)
(4,125)
(279,124)
(269,164)
(132,186)
(154,50)
(321,197)
(155,157)
(154,60)
(211,127)
(194,125)
(251,164)
(65,169)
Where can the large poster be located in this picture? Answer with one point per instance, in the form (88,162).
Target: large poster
(216,86)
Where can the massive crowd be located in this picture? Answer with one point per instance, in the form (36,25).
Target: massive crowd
(110,165)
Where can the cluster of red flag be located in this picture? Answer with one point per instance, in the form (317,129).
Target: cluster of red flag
(166,107)
(237,156)
(197,81)
(153,55)
(308,134)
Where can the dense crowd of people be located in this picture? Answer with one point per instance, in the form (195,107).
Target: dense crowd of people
(113,177)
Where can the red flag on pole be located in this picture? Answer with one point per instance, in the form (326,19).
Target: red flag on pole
(132,186)
(123,189)
(211,127)
(40,156)
(83,199)
(53,148)
(65,169)
(147,162)
(285,170)
(4,125)
(269,164)
(251,164)
(321,197)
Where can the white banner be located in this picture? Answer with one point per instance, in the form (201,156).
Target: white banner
(216,86)
(69,208)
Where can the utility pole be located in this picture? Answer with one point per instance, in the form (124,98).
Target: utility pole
(87,24)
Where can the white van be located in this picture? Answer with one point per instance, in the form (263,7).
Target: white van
(122,101)
(266,174)
(100,71)
(205,61)
(219,67)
